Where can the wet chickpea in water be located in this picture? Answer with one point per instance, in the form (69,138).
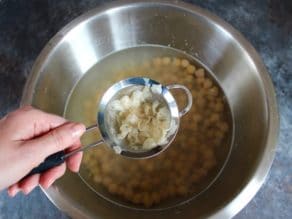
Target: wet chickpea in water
(191,69)
(200,73)
(185,63)
(192,155)
(176,62)
(166,60)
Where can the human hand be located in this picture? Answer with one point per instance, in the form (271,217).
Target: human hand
(27,137)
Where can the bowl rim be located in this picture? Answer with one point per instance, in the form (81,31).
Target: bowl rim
(260,173)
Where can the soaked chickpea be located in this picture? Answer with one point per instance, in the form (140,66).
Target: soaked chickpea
(223,126)
(207,83)
(214,91)
(185,63)
(176,62)
(200,73)
(191,69)
(219,106)
(166,60)
(200,80)
(187,162)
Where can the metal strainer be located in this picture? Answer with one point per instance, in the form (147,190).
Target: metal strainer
(103,124)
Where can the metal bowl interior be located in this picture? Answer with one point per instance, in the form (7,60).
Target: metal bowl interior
(238,68)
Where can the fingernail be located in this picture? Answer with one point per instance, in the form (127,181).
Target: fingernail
(78,130)
(47,184)
(14,192)
(50,183)
(25,191)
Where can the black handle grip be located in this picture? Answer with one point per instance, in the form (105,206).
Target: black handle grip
(50,162)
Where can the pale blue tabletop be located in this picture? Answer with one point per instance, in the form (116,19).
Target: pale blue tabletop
(26,26)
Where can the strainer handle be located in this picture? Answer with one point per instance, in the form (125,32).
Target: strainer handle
(60,157)
(188,94)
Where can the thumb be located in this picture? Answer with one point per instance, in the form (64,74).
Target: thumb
(57,140)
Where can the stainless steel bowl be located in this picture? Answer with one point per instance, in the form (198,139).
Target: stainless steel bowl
(237,66)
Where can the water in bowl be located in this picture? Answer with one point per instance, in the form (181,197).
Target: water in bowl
(194,159)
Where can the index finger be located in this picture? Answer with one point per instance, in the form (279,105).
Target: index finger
(36,123)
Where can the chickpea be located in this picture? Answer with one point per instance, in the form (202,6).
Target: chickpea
(185,63)
(211,104)
(195,177)
(207,83)
(106,180)
(171,190)
(137,198)
(211,98)
(182,190)
(192,158)
(119,190)
(178,166)
(97,179)
(209,134)
(208,164)
(112,187)
(183,172)
(177,62)
(172,78)
(219,107)
(201,172)
(217,141)
(191,69)
(219,134)
(214,91)
(223,126)
(207,123)
(155,197)
(156,180)
(214,117)
(200,81)
(166,60)
(208,153)
(189,79)
(145,185)
(201,102)
(167,163)
(197,117)
(200,73)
